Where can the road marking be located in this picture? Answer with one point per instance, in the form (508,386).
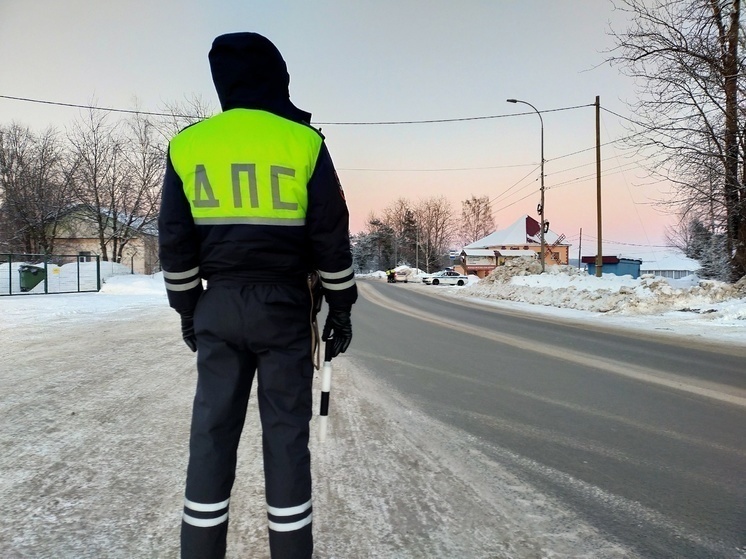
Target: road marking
(707,389)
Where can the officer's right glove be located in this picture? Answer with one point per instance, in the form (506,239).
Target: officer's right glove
(187,330)
(338,329)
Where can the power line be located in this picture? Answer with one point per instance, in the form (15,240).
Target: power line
(434,170)
(354,123)
(514,203)
(442,120)
(93,108)
(358,123)
(623,168)
(494,199)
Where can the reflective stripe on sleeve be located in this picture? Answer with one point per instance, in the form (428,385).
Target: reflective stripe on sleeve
(338,286)
(181,275)
(330,280)
(183,286)
(336,275)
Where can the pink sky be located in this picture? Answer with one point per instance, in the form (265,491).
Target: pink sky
(370,62)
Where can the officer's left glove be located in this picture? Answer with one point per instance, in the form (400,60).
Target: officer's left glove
(187,330)
(338,329)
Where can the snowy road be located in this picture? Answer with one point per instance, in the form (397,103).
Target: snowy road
(96,394)
(95,407)
(641,436)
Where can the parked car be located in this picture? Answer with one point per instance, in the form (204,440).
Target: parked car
(446,277)
(401,276)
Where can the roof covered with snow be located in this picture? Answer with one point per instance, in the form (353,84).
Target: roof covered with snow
(478,252)
(524,231)
(667,259)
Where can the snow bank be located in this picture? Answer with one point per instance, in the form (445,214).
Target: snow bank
(569,287)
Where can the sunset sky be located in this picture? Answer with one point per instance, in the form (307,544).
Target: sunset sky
(355,65)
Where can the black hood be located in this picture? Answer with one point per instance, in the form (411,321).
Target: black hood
(250,73)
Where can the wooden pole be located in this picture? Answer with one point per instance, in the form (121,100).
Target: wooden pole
(599,250)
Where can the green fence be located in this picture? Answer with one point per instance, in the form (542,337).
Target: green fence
(30,274)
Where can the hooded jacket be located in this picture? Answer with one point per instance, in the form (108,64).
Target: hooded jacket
(251,195)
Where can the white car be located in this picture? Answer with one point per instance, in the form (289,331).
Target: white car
(401,276)
(446,277)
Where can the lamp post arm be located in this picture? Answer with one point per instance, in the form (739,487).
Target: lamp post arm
(541,213)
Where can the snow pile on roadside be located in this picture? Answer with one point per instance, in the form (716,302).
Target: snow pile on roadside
(135,284)
(413,274)
(569,287)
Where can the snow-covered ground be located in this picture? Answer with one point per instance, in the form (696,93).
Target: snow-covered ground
(97,391)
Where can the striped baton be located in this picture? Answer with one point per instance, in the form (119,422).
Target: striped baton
(326,385)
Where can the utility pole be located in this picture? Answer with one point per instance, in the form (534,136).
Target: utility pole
(599,250)
(417,247)
(580,247)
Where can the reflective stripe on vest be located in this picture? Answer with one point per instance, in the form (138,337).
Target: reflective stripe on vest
(246,167)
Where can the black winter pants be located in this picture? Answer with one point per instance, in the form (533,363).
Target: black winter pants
(240,330)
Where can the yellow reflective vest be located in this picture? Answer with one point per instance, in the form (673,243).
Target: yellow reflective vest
(230,176)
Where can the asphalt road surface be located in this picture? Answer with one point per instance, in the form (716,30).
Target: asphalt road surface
(644,438)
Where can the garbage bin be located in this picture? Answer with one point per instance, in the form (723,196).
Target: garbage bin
(31,276)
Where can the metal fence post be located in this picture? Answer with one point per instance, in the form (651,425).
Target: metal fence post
(46,274)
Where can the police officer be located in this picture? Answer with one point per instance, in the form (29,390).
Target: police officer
(252,204)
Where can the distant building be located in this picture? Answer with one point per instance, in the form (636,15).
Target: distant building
(669,264)
(522,238)
(77,234)
(616,265)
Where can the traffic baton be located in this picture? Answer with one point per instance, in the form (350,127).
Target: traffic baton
(326,385)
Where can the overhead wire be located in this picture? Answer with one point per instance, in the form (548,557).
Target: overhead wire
(354,123)
(338,123)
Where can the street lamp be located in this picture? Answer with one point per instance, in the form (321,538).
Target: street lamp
(541,204)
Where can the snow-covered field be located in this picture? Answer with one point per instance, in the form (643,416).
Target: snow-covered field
(97,391)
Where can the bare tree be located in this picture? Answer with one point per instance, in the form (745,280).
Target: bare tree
(690,73)
(140,195)
(476,219)
(118,177)
(101,178)
(435,225)
(182,114)
(35,189)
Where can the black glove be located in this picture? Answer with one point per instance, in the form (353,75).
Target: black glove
(338,329)
(187,331)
